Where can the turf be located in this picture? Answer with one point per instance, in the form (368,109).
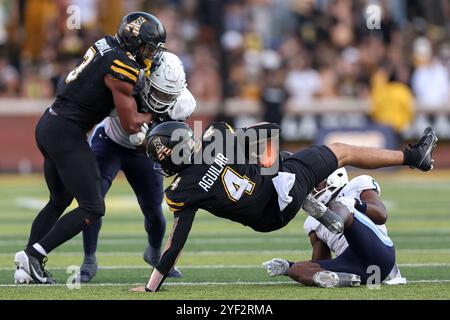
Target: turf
(222,259)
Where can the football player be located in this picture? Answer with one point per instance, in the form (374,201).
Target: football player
(363,245)
(239,192)
(105,79)
(167,98)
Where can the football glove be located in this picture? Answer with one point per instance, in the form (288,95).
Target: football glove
(138,138)
(276,267)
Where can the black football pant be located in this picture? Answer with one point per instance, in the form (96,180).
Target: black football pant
(71,171)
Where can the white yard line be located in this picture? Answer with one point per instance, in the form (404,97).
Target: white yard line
(225,266)
(224,252)
(239,283)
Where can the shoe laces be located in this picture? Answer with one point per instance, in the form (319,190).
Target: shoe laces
(45,272)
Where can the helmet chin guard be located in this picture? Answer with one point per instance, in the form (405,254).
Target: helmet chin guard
(334,183)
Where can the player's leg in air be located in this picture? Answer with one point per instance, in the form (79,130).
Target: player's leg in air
(368,247)
(315,164)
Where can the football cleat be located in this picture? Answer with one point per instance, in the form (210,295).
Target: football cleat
(276,267)
(152,258)
(88,269)
(21,277)
(330,279)
(321,213)
(32,268)
(425,148)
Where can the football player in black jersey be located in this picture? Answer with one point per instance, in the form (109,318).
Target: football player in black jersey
(240,192)
(166,96)
(106,78)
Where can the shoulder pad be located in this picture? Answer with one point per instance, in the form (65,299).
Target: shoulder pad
(364,182)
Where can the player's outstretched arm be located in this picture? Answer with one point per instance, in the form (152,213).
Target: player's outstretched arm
(182,224)
(130,119)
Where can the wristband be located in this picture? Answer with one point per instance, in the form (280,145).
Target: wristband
(360,205)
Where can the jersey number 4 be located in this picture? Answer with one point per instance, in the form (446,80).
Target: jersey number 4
(88,57)
(236,185)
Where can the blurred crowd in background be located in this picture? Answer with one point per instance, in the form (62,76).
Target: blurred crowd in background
(272,51)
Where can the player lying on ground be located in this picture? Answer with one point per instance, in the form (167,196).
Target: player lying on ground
(106,80)
(165,96)
(239,192)
(363,244)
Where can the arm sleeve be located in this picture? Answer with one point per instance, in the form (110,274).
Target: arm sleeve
(182,224)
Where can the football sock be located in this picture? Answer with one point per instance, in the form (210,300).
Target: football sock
(31,251)
(89,259)
(44,221)
(155,231)
(64,229)
(411,157)
(90,237)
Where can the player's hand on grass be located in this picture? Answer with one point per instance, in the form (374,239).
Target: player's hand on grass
(276,267)
(139,289)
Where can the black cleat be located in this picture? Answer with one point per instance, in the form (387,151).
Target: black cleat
(30,267)
(425,148)
(88,269)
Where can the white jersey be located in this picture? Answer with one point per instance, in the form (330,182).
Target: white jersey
(337,242)
(183,108)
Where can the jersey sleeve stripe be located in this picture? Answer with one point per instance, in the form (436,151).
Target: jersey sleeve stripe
(122,65)
(174,209)
(124,73)
(173,203)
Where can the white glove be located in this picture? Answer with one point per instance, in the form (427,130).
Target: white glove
(276,267)
(349,202)
(184,106)
(138,138)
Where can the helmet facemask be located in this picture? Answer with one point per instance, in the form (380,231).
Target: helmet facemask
(328,189)
(165,84)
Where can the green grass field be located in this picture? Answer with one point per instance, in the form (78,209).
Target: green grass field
(222,260)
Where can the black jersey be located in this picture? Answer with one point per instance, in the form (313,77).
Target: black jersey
(82,96)
(237,192)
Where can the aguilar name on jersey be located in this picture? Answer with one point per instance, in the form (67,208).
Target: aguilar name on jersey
(237,192)
(82,96)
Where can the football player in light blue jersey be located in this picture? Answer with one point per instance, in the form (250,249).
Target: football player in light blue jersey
(364,247)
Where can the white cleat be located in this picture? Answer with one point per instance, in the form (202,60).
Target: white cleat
(321,213)
(326,279)
(330,279)
(34,269)
(21,277)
